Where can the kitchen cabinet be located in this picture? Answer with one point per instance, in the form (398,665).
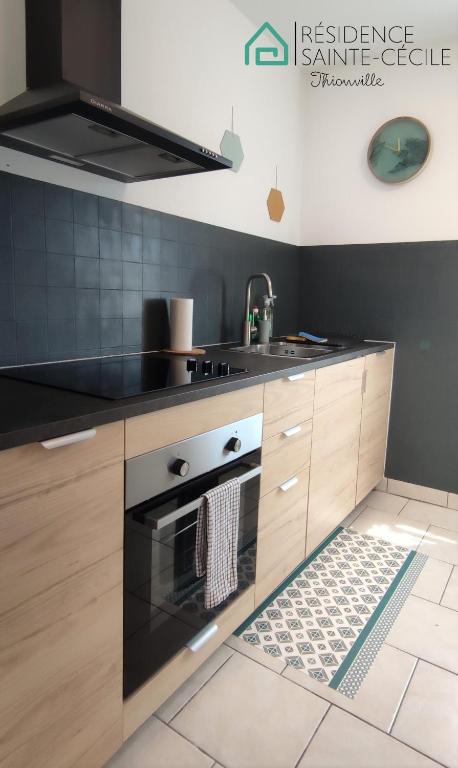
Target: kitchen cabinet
(335,448)
(285,479)
(281,533)
(287,402)
(378,371)
(61,525)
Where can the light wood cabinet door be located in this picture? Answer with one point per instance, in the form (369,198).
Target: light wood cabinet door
(281,534)
(374,422)
(287,402)
(335,448)
(61,531)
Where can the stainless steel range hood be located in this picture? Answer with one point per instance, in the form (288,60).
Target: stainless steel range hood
(72,113)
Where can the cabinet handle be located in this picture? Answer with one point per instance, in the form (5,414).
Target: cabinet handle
(292,431)
(296,377)
(289,484)
(75,437)
(199,640)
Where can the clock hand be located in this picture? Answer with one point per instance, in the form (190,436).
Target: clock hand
(399,145)
(393,149)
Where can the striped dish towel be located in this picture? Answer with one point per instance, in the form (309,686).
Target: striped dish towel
(216,541)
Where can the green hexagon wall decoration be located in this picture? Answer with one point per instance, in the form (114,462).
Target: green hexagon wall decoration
(231,147)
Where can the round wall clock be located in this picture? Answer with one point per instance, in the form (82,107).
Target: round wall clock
(399,150)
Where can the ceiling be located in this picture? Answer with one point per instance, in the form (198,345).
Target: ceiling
(435,22)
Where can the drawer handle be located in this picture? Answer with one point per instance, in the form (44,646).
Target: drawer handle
(289,484)
(296,377)
(199,640)
(75,437)
(292,431)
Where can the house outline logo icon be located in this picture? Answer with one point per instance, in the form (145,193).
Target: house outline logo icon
(271,51)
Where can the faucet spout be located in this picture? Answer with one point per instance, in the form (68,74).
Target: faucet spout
(246,328)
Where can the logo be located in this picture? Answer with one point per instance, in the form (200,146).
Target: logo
(273,56)
(101,105)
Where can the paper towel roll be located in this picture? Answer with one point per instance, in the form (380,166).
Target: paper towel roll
(181,324)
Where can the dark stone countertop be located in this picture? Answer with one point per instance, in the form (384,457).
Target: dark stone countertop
(32,412)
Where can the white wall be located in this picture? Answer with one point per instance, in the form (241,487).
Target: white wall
(343,201)
(183,68)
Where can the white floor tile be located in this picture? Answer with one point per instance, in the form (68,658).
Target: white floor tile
(380,694)
(385,502)
(440,544)
(343,741)
(428,716)
(249,717)
(155,745)
(450,598)
(432,580)
(387,526)
(432,514)
(428,631)
(271,662)
(419,492)
(177,701)
(452,500)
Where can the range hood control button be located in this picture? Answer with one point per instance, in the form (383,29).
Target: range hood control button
(180,467)
(207,366)
(223,369)
(191,365)
(234,445)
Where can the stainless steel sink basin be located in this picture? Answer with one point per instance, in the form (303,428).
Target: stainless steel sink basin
(284,348)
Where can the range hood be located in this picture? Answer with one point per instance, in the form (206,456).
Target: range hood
(72,113)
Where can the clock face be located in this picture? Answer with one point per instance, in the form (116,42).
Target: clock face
(399,150)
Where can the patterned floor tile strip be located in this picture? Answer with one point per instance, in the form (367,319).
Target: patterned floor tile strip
(359,667)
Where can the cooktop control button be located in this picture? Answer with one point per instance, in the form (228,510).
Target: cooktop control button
(234,445)
(207,366)
(223,369)
(180,467)
(191,365)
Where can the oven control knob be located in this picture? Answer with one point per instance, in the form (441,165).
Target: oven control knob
(207,366)
(191,365)
(234,445)
(223,369)
(180,467)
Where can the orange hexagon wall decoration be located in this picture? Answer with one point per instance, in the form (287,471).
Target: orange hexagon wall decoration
(275,204)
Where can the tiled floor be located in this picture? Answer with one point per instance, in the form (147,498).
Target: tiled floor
(245,709)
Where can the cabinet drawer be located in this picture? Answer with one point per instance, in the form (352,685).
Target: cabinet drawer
(337,381)
(283,456)
(288,402)
(154,430)
(144,702)
(31,469)
(281,535)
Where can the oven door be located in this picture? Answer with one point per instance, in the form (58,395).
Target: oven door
(163,598)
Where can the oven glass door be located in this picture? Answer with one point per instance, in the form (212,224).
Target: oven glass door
(163,597)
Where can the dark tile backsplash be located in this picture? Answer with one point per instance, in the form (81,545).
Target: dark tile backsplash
(82,275)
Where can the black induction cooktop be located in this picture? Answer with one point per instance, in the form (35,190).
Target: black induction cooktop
(124,376)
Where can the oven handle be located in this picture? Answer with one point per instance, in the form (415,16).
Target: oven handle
(161,522)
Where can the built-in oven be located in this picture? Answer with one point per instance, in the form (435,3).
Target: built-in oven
(163,597)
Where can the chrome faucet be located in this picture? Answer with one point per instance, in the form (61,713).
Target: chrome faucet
(246,328)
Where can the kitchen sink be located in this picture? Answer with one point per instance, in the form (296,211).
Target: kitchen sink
(282,348)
